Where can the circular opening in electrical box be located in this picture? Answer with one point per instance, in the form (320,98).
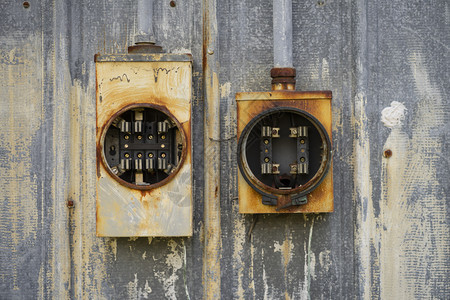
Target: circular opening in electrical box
(143,146)
(284,151)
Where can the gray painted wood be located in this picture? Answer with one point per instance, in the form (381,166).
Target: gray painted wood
(389,234)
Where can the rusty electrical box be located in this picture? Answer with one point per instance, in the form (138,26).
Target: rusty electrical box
(284,152)
(144,180)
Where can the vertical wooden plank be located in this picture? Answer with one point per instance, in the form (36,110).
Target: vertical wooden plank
(304,256)
(211,265)
(403,228)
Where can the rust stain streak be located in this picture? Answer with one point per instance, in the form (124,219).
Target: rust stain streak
(212,239)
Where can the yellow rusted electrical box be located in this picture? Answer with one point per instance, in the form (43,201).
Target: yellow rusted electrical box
(144,174)
(284,152)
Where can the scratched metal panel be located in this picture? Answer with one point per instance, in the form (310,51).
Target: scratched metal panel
(389,234)
(249,105)
(164,210)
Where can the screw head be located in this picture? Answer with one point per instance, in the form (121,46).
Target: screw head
(126,145)
(266,159)
(163,155)
(127,155)
(163,146)
(163,137)
(150,137)
(302,159)
(127,137)
(266,142)
(139,137)
(387,153)
(150,155)
(302,141)
(139,155)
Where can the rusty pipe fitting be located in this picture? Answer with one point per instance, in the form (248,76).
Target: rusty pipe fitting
(283,78)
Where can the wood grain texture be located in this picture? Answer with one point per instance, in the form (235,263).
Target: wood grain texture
(389,234)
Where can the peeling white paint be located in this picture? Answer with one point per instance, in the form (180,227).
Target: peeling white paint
(238,251)
(135,292)
(363,195)
(169,277)
(113,245)
(325,260)
(325,74)
(225,90)
(310,265)
(181,50)
(393,115)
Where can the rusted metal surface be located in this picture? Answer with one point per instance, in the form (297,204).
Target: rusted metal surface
(283,78)
(101,155)
(318,104)
(145,48)
(164,208)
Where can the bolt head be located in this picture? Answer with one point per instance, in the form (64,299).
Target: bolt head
(387,153)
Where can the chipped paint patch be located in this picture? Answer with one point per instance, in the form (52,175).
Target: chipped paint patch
(169,277)
(393,115)
(325,260)
(181,50)
(113,245)
(135,292)
(238,251)
(225,90)
(365,222)
(310,265)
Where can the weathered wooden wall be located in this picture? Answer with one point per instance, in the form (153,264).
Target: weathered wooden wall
(389,236)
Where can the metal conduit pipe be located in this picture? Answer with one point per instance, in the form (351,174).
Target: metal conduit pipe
(145,38)
(282,33)
(283,73)
(145,22)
